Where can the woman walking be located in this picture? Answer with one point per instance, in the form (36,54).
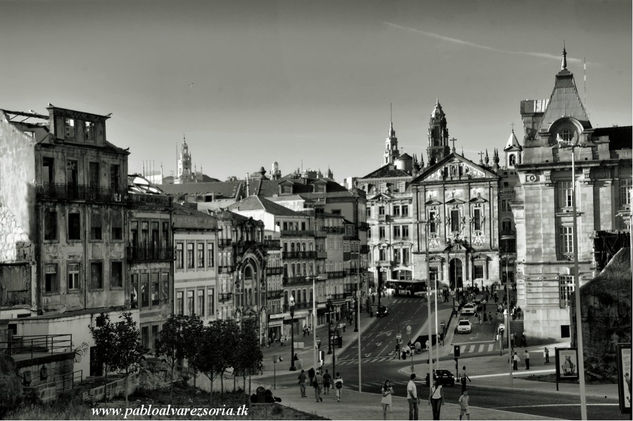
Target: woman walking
(436,399)
(387,391)
(338,386)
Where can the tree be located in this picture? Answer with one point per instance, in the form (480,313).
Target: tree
(248,356)
(229,337)
(209,353)
(179,340)
(129,349)
(105,338)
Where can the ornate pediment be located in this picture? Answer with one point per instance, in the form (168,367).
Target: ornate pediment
(381,197)
(454,168)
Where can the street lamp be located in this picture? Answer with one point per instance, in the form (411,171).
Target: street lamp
(329,325)
(291,305)
(573,144)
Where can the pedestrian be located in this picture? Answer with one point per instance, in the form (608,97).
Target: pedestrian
(464,378)
(412,397)
(318,383)
(302,383)
(546,354)
(515,361)
(338,386)
(397,351)
(436,399)
(326,382)
(526,355)
(463,405)
(311,375)
(387,391)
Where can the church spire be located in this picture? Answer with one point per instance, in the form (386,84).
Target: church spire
(391,142)
(563,65)
(438,135)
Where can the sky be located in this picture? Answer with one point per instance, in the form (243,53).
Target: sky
(308,83)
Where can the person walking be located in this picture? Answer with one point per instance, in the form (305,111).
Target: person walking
(515,361)
(338,386)
(546,354)
(318,383)
(311,374)
(526,355)
(412,397)
(327,379)
(302,383)
(464,378)
(463,405)
(436,399)
(387,391)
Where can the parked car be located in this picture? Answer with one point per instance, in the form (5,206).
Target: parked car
(464,326)
(469,309)
(382,311)
(444,377)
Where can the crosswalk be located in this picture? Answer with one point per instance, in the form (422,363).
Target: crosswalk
(365,360)
(476,348)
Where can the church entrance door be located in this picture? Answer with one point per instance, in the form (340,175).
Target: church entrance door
(455,273)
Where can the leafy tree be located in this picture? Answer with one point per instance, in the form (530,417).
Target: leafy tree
(229,337)
(104,335)
(208,356)
(248,356)
(179,340)
(129,349)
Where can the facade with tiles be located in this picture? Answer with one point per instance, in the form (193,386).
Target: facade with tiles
(543,206)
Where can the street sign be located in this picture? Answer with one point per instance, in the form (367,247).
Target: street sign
(408,329)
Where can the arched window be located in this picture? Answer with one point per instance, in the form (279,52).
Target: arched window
(512,159)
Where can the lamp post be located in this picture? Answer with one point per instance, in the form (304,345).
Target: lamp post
(291,305)
(314,322)
(564,143)
(507,315)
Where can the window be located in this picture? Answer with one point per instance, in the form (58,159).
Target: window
(117,225)
(405,232)
(477,219)
(190,303)
(454,220)
(382,255)
(210,260)
(368,210)
(564,331)
(96,275)
(396,232)
(565,194)
(69,127)
(396,210)
(180,309)
(155,337)
(625,192)
(336,211)
(72,178)
(95,225)
(303,226)
(190,257)
(381,210)
(432,226)
(115,178)
(164,293)
(211,302)
(89,130)
(145,337)
(50,225)
(179,256)
(405,257)
(144,290)
(50,277)
(93,175)
(117,275)
(434,274)
(565,289)
(405,210)
(396,255)
(48,171)
(155,289)
(155,240)
(200,247)
(506,226)
(74,226)
(381,232)
(73,276)
(566,238)
(567,135)
(134,290)
(513,160)
(478,271)
(201,302)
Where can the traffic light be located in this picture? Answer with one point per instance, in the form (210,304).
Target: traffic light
(340,342)
(456,351)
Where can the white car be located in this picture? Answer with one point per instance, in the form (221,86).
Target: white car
(464,326)
(469,309)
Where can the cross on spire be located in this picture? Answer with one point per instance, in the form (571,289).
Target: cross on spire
(453,140)
(564,63)
(481,157)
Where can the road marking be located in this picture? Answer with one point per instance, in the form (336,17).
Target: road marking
(471,348)
(514,373)
(481,348)
(547,405)
(490,347)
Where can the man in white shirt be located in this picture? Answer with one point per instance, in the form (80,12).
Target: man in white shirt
(412,397)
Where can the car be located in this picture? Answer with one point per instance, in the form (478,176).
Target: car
(469,309)
(382,311)
(443,377)
(464,326)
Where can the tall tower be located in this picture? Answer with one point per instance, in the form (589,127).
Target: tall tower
(391,146)
(438,135)
(512,151)
(184,163)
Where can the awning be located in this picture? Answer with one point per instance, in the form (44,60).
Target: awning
(275,323)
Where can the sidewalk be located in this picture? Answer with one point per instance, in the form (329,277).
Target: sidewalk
(366,406)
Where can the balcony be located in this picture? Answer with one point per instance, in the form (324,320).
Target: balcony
(149,254)
(226,268)
(299,254)
(224,242)
(297,280)
(384,263)
(384,218)
(80,193)
(149,200)
(508,234)
(278,270)
(273,295)
(336,274)
(272,244)
(225,296)
(334,230)
(293,233)
(35,345)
